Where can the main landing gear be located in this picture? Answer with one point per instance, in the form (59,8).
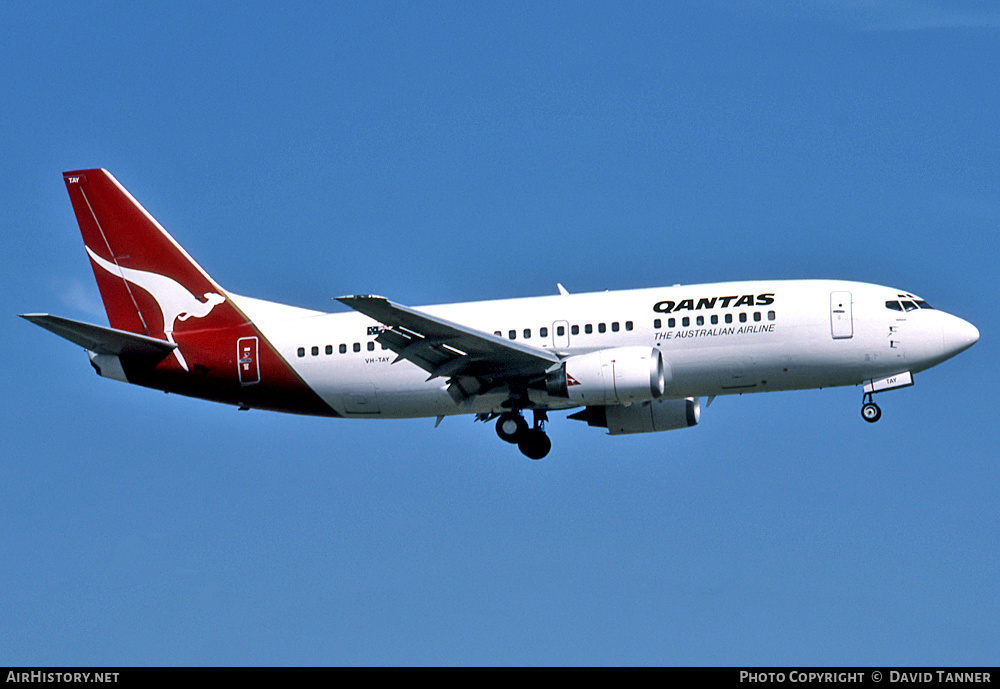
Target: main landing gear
(532,442)
(869,410)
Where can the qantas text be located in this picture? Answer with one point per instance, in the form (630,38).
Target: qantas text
(711,302)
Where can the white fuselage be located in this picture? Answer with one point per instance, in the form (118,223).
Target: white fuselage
(716,339)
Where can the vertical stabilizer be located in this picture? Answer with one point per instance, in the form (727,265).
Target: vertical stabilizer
(173,328)
(149,284)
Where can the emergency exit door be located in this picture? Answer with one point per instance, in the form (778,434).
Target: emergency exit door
(841,320)
(560,335)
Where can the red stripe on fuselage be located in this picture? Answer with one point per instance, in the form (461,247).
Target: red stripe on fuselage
(213,373)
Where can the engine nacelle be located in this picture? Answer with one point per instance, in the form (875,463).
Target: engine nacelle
(622,374)
(643,417)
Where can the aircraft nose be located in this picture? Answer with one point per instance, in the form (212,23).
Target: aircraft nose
(958,335)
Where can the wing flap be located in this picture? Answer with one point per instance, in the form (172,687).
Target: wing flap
(99,339)
(446,349)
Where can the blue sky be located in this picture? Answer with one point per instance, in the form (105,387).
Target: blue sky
(449,152)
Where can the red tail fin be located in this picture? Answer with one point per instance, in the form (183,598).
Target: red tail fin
(148,282)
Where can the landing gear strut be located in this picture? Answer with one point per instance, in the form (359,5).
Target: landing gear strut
(532,442)
(869,410)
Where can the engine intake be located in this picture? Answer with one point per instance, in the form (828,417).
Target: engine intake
(622,374)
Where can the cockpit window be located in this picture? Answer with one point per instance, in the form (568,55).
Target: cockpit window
(908,305)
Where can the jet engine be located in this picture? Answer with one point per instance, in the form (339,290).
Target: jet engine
(643,417)
(622,374)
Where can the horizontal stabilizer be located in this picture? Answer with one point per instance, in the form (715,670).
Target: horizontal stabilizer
(102,340)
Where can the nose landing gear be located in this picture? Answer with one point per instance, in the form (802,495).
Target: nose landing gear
(532,442)
(870,411)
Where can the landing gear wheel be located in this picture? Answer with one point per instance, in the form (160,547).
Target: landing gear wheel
(511,426)
(870,412)
(534,444)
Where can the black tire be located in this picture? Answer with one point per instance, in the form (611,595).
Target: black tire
(511,426)
(534,444)
(871,413)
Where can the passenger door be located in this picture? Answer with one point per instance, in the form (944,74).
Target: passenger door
(841,320)
(246,355)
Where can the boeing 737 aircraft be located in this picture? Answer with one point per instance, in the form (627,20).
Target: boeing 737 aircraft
(636,361)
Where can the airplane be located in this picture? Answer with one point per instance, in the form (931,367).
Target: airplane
(631,361)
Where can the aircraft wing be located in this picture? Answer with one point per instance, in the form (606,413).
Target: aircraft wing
(473,360)
(101,340)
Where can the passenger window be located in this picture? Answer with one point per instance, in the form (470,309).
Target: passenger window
(543,332)
(685,321)
(329,349)
(743,318)
(561,330)
(770,315)
(371,346)
(574,329)
(512,334)
(715,320)
(601,327)
(700,320)
(656,324)
(343,349)
(498,333)
(614,326)
(628,325)
(671,322)
(302,351)
(527,333)
(588,328)
(357,346)
(385,347)
(756,316)
(315,351)
(729,318)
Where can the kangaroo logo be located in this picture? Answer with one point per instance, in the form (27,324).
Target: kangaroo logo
(175,301)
